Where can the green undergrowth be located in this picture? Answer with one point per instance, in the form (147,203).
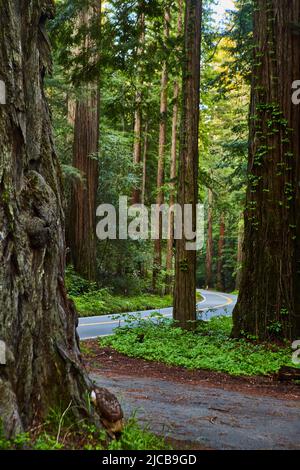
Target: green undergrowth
(92,301)
(84,437)
(102,302)
(210,347)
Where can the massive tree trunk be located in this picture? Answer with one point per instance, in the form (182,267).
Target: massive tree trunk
(269,302)
(161,154)
(84,197)
(42,366)
(221,244)
(85,158)
(173,171)
(185,266)
(210,242)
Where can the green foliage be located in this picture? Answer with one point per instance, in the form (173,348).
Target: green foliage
(135,438)
(92,301)
(77,285)
(20,441)
(102,302)
(86,436)
(209,348)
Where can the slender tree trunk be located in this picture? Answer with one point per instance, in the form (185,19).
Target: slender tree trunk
(161,155)
(42,367)
(137,146)
(220,274)
(210,242)
(173,172)
(85,158)
(269,301)
(185,265)
(240,255)
(145,154)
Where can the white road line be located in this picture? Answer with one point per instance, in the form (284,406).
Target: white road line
(229,302)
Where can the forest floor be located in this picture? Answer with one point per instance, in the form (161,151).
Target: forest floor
(203,409)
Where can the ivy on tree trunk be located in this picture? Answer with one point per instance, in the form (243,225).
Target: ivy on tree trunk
(269,302)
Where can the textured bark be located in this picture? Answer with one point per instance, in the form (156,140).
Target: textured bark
(161,154)
(269,302)
(84,198)
(221,244)
(173,171)
(185,265)
(83,240)
(240,256)
(210,242)
(37,322)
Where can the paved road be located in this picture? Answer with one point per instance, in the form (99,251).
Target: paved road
(214,304)
(211,417)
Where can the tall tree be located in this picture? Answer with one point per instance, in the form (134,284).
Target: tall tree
(145,154)
(173,170)
(161,151)
(240,254)
(210,242)
(42,368)
(269,302)
(85,159)
(137,145)
(185,265)
(221,244)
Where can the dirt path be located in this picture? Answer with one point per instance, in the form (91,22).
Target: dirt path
(211,410)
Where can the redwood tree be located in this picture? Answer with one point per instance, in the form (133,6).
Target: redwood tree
(221,244)
(42,368)
(185,266)
(85,158)
(210,241)
(138,118)
(269,302)
(161,152)
(173,169)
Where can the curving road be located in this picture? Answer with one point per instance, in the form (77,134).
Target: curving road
(213,304)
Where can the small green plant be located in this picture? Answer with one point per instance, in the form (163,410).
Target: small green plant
(18,442)
(135,438)
(275,328)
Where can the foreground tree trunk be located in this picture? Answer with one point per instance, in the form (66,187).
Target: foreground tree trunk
(269,302)
(161,155)
(210,242)
(83,240)
(185,266)
(42,366)
(173,171)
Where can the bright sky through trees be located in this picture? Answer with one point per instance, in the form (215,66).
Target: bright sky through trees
(221,7)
